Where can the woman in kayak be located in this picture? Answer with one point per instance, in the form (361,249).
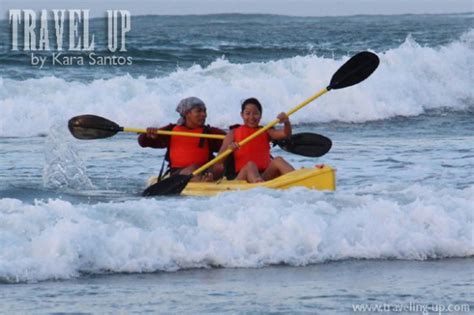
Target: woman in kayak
(252,161)
(186,154)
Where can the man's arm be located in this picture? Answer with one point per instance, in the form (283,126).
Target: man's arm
(158,141)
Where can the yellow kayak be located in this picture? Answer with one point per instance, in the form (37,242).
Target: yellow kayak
(319,178)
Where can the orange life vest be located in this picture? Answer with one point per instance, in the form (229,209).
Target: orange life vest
(257,150)
(185,151)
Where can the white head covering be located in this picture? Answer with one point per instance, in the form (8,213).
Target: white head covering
(186,104)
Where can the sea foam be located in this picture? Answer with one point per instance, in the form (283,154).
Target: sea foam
(410,80)
(55,239)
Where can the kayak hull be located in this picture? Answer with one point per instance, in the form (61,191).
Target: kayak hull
(318,178)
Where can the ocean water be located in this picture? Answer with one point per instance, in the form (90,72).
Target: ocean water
(75,235)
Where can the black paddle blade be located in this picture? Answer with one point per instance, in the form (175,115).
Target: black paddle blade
(86,127)
(173,185)
(306,144)
(355,70)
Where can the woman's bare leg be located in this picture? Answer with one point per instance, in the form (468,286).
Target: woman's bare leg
(278,166)
(250,173)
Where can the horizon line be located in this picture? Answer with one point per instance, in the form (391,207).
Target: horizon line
(267,14)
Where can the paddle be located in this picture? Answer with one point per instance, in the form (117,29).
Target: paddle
(355,70)
(306,144)
(88,127)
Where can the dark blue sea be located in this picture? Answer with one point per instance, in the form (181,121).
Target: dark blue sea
(395,237)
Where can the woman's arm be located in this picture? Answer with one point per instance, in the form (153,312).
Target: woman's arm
(278,134)
(229,138)
(226,143)
(215,144)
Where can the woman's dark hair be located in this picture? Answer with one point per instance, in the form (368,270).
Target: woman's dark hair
(254,101)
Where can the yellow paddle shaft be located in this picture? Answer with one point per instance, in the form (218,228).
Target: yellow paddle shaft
(176,133)
(227,152)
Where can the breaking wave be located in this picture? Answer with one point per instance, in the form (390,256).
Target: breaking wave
(55,239)
(411,80)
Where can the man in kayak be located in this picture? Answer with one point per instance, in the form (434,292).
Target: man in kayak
(253,161)
(186,154)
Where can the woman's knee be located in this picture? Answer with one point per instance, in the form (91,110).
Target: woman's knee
(250,165)
(278,159)
(281,165)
